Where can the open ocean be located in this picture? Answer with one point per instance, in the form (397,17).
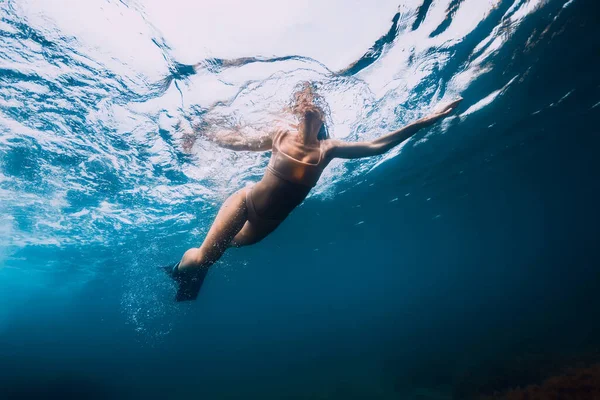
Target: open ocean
(463,264)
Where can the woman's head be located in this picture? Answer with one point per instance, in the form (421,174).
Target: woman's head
(308,106)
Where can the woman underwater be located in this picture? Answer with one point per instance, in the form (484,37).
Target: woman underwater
(300,153)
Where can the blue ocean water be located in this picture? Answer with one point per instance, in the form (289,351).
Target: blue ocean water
(462,264)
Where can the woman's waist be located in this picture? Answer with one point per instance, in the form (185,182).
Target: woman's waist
(274,197)
(294,172)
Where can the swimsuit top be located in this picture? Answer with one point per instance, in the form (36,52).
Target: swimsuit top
(289,169)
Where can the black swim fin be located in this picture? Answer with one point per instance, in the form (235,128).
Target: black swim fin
(170,269)
(188,283)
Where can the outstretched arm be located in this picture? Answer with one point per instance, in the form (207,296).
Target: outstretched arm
(341,149)
(236,138)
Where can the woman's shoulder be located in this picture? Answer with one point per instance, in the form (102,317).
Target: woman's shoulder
(328,146)
(329,143)
(279,132)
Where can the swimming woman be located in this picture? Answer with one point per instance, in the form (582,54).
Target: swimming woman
(300,153)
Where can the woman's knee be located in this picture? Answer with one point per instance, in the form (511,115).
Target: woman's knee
(248,236)
(241,241)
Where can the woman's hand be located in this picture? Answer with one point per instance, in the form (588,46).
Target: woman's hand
(443,111)
(339,149)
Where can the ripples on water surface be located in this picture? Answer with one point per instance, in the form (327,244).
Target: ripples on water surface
(98,184)
(91,153)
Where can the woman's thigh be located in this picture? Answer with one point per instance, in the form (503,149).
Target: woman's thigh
(229,221)
(253,232)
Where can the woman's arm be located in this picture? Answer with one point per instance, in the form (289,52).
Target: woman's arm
(239,139)
(340,149)
(234,139)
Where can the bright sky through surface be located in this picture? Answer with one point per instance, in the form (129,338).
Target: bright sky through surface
(334,32)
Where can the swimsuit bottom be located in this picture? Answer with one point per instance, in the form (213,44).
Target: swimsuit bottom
(255,218)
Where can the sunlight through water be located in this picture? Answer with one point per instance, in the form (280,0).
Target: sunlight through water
(93,156)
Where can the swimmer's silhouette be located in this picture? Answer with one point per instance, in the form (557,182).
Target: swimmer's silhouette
(300,153)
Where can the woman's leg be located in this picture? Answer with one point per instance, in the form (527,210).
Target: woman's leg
(229,221)
(256,228)
(230,228)
(193,267)
(253,233)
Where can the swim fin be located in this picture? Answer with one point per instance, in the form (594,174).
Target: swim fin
(170,269)
(188,283)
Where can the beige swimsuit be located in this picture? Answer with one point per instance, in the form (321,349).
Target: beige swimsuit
(300,174)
